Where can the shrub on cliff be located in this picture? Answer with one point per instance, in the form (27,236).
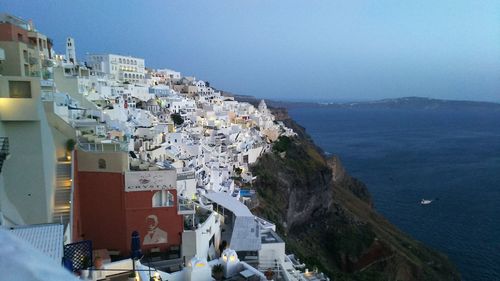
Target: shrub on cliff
(282,144)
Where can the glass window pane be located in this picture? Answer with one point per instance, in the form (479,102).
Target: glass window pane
(20,89)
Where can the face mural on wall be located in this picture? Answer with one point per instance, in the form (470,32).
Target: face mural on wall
(155,235)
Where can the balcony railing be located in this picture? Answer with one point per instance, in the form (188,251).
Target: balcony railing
(4,150)
(46,82)
(199,219)
(110,147)
(185,206)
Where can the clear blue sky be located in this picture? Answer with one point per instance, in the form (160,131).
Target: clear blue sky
(323,50)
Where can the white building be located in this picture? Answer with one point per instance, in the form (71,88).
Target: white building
(117,67)
(172,74)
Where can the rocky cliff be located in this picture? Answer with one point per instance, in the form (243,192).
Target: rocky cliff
(327,218)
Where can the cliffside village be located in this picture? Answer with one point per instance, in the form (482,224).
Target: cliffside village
(116,171)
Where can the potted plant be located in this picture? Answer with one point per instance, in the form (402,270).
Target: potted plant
(98,262)
(269,274)
(131,276)
(218,272)
(86,264)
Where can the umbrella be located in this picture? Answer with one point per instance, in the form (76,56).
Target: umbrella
(136,245)
(135,248)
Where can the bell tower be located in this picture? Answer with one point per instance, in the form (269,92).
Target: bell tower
(70,50)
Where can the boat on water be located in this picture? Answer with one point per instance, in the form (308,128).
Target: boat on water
(425,202)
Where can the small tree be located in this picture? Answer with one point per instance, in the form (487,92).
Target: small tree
(177,118)
(282,144)
(70,145)
(238,171)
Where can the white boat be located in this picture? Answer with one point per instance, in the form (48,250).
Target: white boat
(425,202)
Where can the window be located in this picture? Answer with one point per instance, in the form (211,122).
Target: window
(163,198)
(19,37)
(101,163)
(20,89)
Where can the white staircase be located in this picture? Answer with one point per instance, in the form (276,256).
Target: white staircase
(62,196)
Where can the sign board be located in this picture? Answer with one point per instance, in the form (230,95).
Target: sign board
(185,175)
(150,180)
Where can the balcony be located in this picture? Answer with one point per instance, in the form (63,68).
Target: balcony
(185,207)
(198,220)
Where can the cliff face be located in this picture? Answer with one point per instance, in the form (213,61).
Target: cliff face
(327,218)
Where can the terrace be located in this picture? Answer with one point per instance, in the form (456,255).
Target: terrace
(197,218)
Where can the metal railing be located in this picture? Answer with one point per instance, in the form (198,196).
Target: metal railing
(4,150)
(93,147)
(185,206)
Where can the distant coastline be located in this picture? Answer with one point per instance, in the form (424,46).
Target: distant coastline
(416,103)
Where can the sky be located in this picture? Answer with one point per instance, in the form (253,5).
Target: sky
(332,50)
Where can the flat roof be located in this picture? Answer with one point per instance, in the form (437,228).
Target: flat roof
(48,238)
(21,261)
(246,235)
(230,203)
(246,230)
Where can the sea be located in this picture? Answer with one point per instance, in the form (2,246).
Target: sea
(403,156)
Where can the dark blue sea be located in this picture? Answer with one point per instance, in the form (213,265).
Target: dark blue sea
(404,156)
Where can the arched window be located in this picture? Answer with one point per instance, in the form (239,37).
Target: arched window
(101,163)
(163,198)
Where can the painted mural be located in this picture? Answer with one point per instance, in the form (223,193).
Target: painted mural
(155,234)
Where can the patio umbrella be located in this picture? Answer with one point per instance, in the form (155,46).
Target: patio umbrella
(135,248)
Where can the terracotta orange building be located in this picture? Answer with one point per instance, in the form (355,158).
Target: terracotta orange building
(110,202)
